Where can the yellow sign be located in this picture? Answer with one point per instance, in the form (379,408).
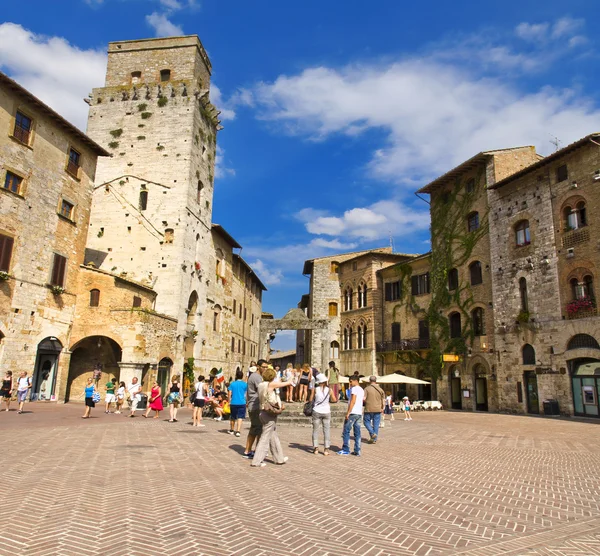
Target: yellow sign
(450,358)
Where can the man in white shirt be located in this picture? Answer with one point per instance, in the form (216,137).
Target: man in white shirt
(23,386)
(135,394)
(353,418)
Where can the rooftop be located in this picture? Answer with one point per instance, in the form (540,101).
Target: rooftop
(55,116)
(308,265)
(223,232)
(249,269)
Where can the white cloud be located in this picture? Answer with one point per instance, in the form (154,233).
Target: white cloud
(265,273)
(378,221)
(432,111)
(57,72)
(333,244)
(162,26)
(217,100)
(221,168)
(532,31)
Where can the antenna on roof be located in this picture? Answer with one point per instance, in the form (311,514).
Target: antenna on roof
(391,241)
(556,142)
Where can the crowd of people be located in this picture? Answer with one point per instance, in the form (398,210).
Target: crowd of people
(261,393)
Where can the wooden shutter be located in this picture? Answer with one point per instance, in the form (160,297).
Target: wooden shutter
(388,291)
(59,268)
(396,332)
(414,282)
(137,301)
(6,247)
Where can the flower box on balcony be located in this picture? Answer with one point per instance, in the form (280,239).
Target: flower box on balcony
(581,308)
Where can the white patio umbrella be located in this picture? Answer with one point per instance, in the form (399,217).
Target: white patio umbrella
(395,378)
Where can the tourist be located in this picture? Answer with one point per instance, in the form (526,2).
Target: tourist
(174,398)
(321,416)
(201,388)
(90,390)
(304,381)
(406,408)
(110,394)
(217,401)
(353,417)
(253,405)
(251,368)
(237,403)
(135,394)
(23,386)
(120,397)
(271,406)
(288,377)
(295,383)
(333,374)
(155,401)
(374,405)
(7,389)
(389,407)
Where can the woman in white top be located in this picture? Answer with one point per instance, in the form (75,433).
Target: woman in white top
(321,416)
(289,377)
(201,393)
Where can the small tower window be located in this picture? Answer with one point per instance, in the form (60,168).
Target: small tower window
(165,75)
(143,199)
(169,235)
(136,77)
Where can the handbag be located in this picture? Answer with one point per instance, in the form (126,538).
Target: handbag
(310,406)
(272,408)
(96,397)
(193,396)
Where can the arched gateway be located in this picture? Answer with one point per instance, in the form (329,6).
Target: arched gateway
(294,319)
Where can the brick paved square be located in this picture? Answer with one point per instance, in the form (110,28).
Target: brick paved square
(445,483)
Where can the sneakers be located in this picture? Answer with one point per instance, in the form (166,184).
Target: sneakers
(230,432)
(284,460)
(343,453)
(217,418)
(355,453)
(249,455)
(237,434)
(200,425)
(263,464)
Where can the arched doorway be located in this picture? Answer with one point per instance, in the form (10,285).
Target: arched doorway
(95,356)
(425,389)
(165,367)
(45,370)
(455,389)
(481,388)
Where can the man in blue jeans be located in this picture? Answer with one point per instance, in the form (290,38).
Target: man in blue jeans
(353,418)
(374,404)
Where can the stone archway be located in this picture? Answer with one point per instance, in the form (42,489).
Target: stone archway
(294,319)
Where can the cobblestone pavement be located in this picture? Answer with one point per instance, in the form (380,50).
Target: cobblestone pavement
(445,483)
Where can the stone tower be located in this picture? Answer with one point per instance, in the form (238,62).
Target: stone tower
(152,206)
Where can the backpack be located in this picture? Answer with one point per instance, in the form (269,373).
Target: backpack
(193,396)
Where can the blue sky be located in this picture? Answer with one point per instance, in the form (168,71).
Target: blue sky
(336,112)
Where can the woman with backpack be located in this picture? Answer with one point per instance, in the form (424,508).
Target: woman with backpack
(321,414)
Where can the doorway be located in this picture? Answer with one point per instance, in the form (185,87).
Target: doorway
(585,381)
(455,389)
(531,392)
(164,374)
(481,396)
(46,367)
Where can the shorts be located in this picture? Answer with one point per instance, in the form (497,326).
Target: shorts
(21,395)
(110,398)
(255,423)
(237,412)
(4,393)
(304,381)
(199,402)
(89,402)
(407,408)
(174,398)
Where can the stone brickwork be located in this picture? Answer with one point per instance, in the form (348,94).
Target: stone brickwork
(40,225)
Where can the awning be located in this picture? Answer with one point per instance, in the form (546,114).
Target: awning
(393,378)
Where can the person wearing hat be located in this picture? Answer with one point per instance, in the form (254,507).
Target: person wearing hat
(374,405)
(321,415)
(406,406)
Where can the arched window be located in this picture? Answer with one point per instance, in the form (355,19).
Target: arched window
(334,350)
(362,295)
(333,309)
(528,355)
(523,295)
(143,202)
(478,319)
(475,273)
(348,294)
(575,217)
(216,318)
(583,289)
(199,191)
(576,292)
(94,298)
(455,325)
(588,286)
(364,337)
(452,279)
(192,308)
(522,236)
(582,341)
(165,75)
(473,221)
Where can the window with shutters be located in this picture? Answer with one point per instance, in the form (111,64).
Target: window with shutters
(74,163)
(393,291)
(473,222)
(6,248)
(23,126)
(562,173)
(59,270)
(452,279)
(13,183)
(333,309)
(423,333)
(232,345)
(420,284)
(94,298)
(137,301)
(66,209)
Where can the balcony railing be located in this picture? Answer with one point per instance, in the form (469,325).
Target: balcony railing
(582,313)
(403,345)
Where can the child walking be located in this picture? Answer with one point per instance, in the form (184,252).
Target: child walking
(406,406)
